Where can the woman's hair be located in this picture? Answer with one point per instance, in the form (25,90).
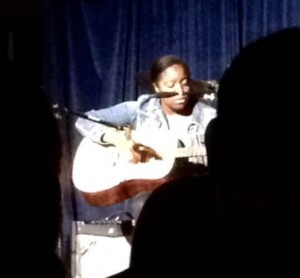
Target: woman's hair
(165,62)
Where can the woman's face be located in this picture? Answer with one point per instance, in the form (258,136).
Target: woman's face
(174,79)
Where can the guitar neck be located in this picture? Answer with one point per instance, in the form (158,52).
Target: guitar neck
(167,144)
(189,152)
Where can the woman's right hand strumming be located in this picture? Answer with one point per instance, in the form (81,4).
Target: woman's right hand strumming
(135,152)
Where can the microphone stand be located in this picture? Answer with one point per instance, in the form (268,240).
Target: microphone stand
(90,118)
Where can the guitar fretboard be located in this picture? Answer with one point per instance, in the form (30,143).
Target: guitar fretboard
(189,152)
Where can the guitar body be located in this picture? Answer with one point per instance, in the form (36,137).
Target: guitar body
(104,175)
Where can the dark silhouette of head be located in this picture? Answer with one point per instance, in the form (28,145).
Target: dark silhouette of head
(173,231)
(32,188)
(257,112)
(253,148)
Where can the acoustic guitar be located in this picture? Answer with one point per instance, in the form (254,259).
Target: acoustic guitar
(105,175)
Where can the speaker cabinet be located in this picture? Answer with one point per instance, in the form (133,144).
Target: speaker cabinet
(100,249)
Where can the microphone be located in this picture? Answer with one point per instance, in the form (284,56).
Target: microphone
(198,89)
(202,87)
(165,94)
(171,94)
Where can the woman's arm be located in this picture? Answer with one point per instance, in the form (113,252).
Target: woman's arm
(120,115)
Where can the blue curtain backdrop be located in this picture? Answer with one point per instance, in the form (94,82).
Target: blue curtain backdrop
(94,49)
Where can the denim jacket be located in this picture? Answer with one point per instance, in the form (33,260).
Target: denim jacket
(146,112)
